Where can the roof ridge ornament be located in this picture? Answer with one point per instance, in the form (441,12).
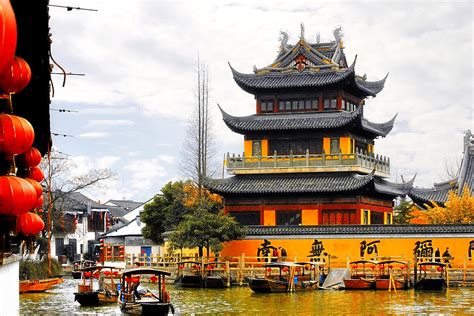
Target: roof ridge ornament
(302,31)
(283,41)
(338,34)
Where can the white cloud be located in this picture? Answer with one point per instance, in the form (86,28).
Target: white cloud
(109,123)
(94,135)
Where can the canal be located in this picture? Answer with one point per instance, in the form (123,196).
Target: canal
(454,301)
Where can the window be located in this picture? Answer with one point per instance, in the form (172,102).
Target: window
(339,217)
(287,105)
(298,147)
(301,105)
(266,106)
(256,148)
(335,146)
(389,218)
(246,217)
(333,104)
(365,217)
(315,104)
(59,243)
(288,217)
(307,104)
(376,218)
(294,105)
(327,104)
(281,105)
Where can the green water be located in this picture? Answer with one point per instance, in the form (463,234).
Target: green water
(241,300)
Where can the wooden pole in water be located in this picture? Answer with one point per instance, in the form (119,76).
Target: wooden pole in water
(227,270)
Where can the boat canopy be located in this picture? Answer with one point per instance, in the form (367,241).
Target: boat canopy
(93,268)
(392,261)
(432,263)
(282,264)
(364,262)
(193,262)
(145,271)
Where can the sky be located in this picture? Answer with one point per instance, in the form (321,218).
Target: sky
(139,59)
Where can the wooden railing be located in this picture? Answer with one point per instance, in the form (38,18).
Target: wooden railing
(369,161)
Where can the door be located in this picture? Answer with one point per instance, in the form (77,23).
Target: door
(146,254)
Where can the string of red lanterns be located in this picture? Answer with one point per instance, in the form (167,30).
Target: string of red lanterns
(18,196)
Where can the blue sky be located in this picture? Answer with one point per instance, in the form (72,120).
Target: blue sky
(139,59)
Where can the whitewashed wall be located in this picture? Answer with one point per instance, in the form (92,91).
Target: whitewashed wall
(10,292)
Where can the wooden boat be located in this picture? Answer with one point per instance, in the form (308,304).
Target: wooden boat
(148,303)
(290,277)
(189,274)
(107,292)
(391,274)
(216,277)
(359,278)
(35,286)
(430,276)
(77,266)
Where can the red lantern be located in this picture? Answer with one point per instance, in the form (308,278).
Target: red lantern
(7,34)
(96,275)
(16,134)
(181,267)
(35,173)
(439,269)
(17,196)
(154,278)
(87,274)
(37,186)
(107,273)
(269,270)
(284,269)
(115,273)
(29,223)
(30,158)
(16,77)
(39,202)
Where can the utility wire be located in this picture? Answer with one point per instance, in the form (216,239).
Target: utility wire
(69,8)
(63,110)
(68,74)
(63,135)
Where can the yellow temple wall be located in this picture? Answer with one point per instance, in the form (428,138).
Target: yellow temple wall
(248,148)
(343,249)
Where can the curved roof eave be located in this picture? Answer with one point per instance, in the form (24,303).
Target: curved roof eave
(380,129)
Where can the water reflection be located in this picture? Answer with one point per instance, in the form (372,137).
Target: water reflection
(454,301)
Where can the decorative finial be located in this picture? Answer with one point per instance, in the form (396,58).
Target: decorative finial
(302,30)
(283,41)
(254,68)
(338,34)
(318,38)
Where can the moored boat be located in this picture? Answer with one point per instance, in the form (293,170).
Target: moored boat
(430,276)
(215,275)
(77,266)
(362,276)
(189,274)
(290,277)
(133,300)
(391,274)
(35,286)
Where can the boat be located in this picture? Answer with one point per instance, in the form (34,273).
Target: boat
(391,274)
(359,278)
(107,292)
(430,276)
(189,274)
(133,300)
(215,275)
(36,286)
(78,265)
(290,277)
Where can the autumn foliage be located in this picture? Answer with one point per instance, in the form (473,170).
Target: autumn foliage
(458,209)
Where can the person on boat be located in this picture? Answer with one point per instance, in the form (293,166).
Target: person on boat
(447,257)
(437,255)
(283,253)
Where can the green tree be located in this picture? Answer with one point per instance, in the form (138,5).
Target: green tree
(402,212)
(203,229)
(165,211)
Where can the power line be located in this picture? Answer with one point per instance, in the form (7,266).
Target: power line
(69,8)
(63,135)
(68,74)
(64,110)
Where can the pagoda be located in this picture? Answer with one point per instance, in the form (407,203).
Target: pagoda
(309,154)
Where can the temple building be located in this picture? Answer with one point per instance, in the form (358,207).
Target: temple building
(309,153)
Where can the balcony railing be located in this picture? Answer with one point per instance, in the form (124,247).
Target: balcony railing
(359,161)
